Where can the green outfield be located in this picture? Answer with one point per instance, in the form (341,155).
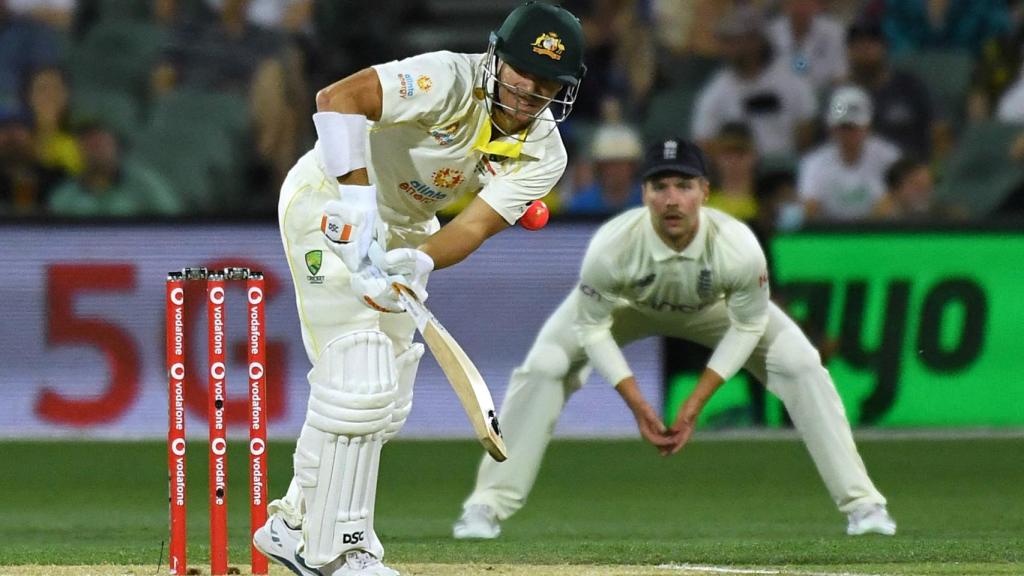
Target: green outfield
(720,507)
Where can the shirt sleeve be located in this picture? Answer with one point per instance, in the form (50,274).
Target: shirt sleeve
(424,88)
(597,301)
(525,180)
(747,305)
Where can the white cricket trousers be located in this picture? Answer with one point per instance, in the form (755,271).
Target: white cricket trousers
(327,306)
(556,366)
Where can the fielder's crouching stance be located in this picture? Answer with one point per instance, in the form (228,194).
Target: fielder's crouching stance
(671,268)
(396,143)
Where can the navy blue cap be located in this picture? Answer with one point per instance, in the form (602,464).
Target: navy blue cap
(674,155)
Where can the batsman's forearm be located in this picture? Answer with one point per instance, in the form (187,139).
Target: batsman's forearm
(631,394)
(451,245)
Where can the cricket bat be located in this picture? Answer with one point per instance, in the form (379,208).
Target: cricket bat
(462,374)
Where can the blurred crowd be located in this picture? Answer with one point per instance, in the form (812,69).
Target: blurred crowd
(810,111)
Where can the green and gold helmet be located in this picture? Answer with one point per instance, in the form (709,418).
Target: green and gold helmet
(543,40)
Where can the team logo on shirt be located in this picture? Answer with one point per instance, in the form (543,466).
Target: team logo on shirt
(424,83)
(762,280)
(406,87)
(448,178)
(445,136)
(550,45)
(705,289)
(314,260)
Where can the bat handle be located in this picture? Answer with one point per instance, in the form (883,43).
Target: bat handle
(376,254)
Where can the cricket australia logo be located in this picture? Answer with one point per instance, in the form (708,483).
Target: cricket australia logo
(314,260)
(550,45)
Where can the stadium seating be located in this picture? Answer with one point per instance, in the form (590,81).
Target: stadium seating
(980,173)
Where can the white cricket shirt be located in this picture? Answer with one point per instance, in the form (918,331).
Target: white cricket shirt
(628,265)
(433,144)
(846,191)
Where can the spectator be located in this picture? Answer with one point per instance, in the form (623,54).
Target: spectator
(25,45)
(913,25)
(734,162)
(109,186)
(616,152)
(811,41)
(24,183)
(909,198)
(48,101)
(1011,105)
(756,88)
(842,180)
(904,113)
(228,54)
(290,16)
(55,13)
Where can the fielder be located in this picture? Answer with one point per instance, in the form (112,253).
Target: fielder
(397,142)
(672,268)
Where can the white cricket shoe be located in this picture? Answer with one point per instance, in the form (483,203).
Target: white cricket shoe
(870,519)
(278,542)
(478,521)
(357,563)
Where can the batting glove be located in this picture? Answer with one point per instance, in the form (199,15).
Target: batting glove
(375,289)
(351,224)
(414,266)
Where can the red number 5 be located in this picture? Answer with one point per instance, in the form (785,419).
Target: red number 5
(64,282)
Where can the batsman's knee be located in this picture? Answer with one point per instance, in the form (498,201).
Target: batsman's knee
(354,385)
(406,365)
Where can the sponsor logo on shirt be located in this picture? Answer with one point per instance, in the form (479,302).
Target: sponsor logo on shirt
(666,306)
(445,136)
(550,45)
(406,88)
(422,193)
(314,260)
(424,83)
(762,280)
(448,178)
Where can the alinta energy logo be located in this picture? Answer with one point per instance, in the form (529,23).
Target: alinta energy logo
(550,45)
(424,83)
(314,260)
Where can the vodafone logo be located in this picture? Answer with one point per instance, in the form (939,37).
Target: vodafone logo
(217,295)
(255,295)
(177,296)
(218,446)
(217,370)
(255,371)
(257,446)
(178,447)
(178,371)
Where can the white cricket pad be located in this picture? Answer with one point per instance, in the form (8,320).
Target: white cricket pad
(406,364)
(353,388)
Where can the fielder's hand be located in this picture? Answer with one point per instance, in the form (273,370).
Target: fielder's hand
(375,289)
(414,266)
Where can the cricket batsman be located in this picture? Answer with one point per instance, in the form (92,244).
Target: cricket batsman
(395,143)
(671,268)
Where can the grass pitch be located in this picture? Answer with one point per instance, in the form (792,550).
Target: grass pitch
(599,508)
